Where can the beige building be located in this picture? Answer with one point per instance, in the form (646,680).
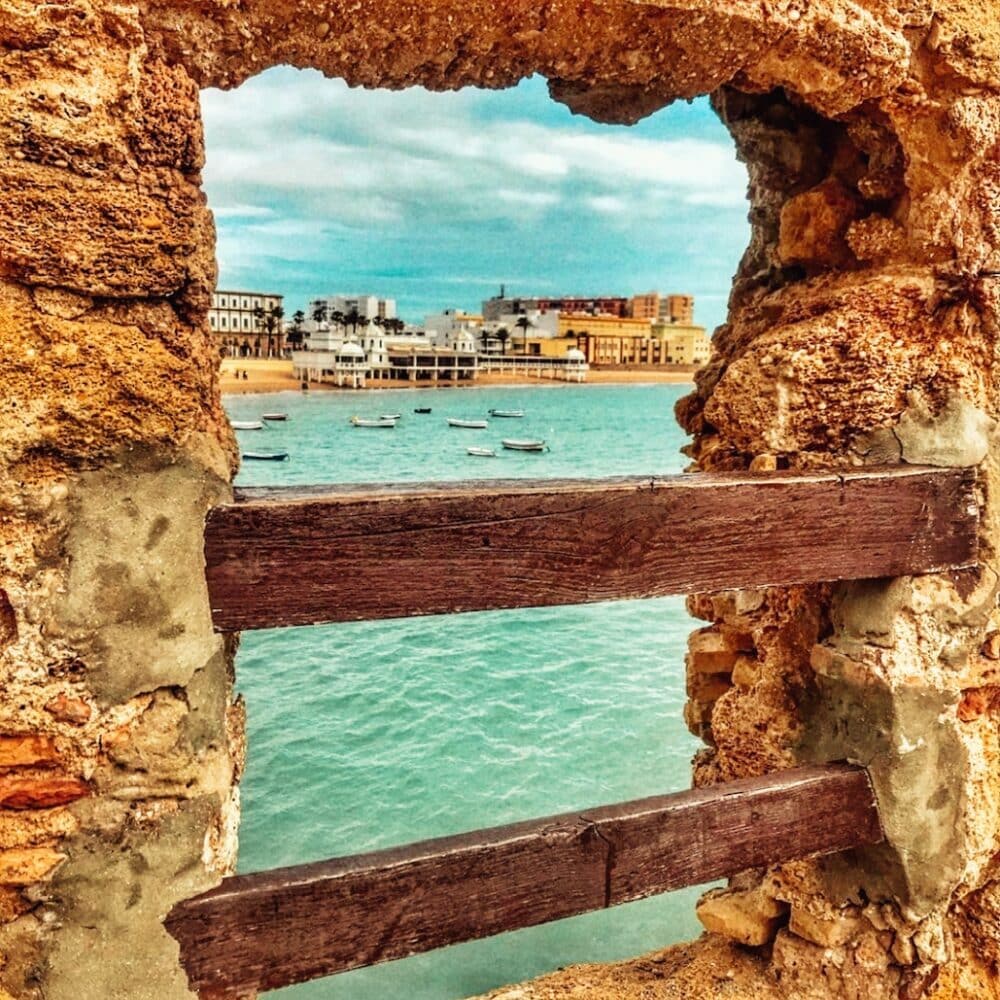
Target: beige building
(668,308)
(677,309)
(243,331)
(609,340)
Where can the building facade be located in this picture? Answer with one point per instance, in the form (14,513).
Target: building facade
(501,305)
(247,324)
(369,307)
(668,308)
(677,309)
(608,340)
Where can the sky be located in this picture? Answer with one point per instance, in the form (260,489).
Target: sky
(435,199)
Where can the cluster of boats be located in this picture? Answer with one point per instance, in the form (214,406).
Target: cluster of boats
(258,425)
(387,421)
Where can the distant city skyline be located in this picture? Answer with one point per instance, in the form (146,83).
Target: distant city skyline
(437,199)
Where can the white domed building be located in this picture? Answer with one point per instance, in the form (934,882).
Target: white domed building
(345,364)
(576,365)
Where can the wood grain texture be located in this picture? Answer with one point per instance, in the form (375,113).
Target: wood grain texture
(299,556)
(264,931)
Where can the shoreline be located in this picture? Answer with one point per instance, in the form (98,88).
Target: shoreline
(265,376)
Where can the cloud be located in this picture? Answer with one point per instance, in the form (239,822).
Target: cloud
(322,185)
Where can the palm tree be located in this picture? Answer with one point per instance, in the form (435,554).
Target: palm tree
(258,325)
(319,312)
(525,324)
(295,335)
(337,318)
(485,336)
(354,318)
(272,323)
(503,335)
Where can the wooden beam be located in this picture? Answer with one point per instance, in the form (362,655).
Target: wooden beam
(264,931)
(299,556)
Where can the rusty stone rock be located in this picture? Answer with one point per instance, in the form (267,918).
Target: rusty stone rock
(40,793)
(73,711)
(29,866)
(813,226)
(27,750)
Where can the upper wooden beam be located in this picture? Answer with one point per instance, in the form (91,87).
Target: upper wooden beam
(264,931)
(299,556)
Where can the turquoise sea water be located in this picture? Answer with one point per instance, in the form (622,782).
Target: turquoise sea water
(367,735)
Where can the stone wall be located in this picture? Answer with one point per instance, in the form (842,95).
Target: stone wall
(863,329)
(119,744)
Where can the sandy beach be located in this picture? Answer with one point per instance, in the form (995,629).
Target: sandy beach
(275,375)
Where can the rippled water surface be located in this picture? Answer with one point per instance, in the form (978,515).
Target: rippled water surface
(367,735)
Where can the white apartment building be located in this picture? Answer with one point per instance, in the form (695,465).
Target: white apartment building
(368,306)
(455,329)
(232,318)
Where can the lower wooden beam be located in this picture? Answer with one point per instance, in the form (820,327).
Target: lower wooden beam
(272,929)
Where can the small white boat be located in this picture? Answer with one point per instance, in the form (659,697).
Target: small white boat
(247,425)
(482,452)
(390,416)
(275,416)
(514,445)
(266,456)
(362,422)
(506,413)
(476,425)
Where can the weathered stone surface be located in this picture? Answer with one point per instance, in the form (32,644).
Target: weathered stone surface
(864,326)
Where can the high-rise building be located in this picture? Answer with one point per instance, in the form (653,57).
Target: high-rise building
(646,306)
(677,309)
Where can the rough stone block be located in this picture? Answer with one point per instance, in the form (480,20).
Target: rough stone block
(829,931)
(73,711)
(40,793)
(814,226)
(746,671)
(749,917)
(29,865)
(27,751)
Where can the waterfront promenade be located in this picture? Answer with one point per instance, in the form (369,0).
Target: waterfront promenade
(275,375)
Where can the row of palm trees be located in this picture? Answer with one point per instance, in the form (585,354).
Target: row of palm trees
(503,335)
(269,322)
(353,319)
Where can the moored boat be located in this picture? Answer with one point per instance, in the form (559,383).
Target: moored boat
(247,425)
(421,409)
(390,416)
(266,456)
(275,416)
(506,413)
(515,445)
(476,425)
(363,422)
(482,452)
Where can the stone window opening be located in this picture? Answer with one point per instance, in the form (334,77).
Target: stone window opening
(862,329)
